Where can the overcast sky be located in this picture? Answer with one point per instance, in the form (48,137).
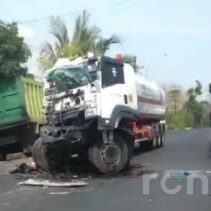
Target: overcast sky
(148,28)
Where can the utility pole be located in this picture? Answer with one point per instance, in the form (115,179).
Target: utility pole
(210,104)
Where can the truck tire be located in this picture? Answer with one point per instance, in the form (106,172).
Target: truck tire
(162,139)
(153,144)
(158,140)
(38,154)
(109,158)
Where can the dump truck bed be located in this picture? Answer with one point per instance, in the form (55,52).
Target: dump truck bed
(20,101)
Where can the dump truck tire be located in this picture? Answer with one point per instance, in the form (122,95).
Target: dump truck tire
(38,153)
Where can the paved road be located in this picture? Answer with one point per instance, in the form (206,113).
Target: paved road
(184,151)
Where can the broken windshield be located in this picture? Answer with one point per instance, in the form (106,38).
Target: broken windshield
(68,78)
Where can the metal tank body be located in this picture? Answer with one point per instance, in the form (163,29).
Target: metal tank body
(144,95)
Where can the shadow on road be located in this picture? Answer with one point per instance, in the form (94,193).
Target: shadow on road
(141,148)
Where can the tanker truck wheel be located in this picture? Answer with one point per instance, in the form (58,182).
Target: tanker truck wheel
(39,155)
(163,137)
(109,158)
(49,157)
(153,143)
(158,138)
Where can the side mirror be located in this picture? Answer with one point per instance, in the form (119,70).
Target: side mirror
(95,87)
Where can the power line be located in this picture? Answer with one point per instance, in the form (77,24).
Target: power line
(117,3)
(31,21)
(45,18)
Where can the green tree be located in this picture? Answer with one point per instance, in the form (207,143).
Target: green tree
(182,120)
(102,45)
(85,38)
(193,113)
(205,113)
(192,104)
(13,51)
(174,95)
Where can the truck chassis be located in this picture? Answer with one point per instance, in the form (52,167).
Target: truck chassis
(109,150)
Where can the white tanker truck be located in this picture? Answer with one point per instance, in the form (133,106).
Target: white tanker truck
(98,108)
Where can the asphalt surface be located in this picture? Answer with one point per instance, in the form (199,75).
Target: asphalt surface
(184,153)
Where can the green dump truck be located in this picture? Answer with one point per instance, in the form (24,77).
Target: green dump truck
(20,114)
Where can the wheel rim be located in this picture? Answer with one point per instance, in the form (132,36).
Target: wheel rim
(110,154)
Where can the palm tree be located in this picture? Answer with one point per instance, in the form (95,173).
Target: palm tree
(85,38)
(102,45)
(50,52)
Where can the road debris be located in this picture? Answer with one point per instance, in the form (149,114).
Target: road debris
(59,193)
(48,183)
(33,166)
(63,192)
(24,168)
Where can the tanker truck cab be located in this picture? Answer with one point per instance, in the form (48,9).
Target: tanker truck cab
(117,92)
(93,109)
(126,93)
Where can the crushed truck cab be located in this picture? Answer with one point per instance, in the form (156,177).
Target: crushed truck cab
(98,108)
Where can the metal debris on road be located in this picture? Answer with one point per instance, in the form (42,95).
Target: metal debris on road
(59,193)
(22,168)
(34,182)
(63,192)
